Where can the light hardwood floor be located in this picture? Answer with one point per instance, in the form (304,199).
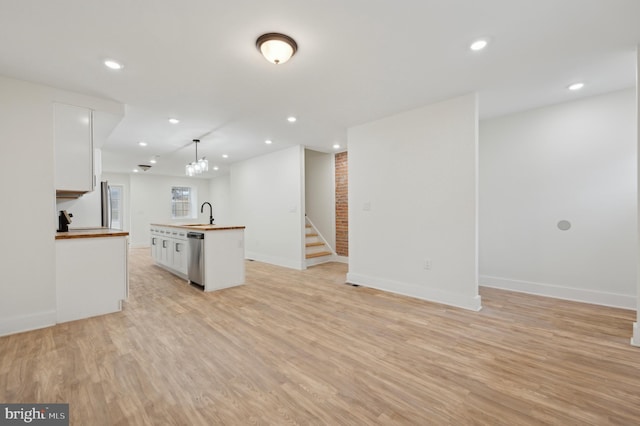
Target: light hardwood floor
(293,347)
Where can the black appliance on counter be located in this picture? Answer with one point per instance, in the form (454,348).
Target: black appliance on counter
(64,219)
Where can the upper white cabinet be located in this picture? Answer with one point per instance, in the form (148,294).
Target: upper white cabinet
(73,140)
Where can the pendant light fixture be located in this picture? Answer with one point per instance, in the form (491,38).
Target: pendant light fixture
(276,48)
(199,166)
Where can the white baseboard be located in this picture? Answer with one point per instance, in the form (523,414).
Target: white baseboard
(278,261)
(341,259)
(325,259)
(472,303)
(635,340)
(560,292)
(24,323)
(318,260)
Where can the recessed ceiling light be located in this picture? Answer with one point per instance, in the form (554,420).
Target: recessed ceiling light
(575,86)
(174,121)
(110,63)
(336,146)
(135,170)
(153,161)
(225,156)
(142,143)
(215,167)
(291,119)
(268,142)
(479,44)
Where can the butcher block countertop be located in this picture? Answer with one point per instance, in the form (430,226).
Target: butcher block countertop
(90,233)
(199,226)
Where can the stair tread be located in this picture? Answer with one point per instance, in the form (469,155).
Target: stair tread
(319,254)
(311,234)
(314,244)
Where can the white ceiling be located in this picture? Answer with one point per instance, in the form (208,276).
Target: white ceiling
(358,60)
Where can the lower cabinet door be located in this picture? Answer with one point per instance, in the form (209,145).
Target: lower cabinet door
(166,257)
(155,248)
(180,256)
(170,251)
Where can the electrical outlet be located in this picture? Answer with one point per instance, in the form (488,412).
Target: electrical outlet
(427,264)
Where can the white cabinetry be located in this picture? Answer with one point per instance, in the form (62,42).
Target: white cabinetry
(223,254)
(156,244)
(165,248)
(223,258)
(91,276)
(179,251)
(169,249)
(74,168)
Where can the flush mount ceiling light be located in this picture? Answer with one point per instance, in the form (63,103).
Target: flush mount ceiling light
(292,119)
(142,143)
(336,146)
(199,166)
(174,121)
(110,63)
(575,86)
(479,44)
(276,48)
(268,141)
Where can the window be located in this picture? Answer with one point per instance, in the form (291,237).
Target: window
(182,202)
(116,206)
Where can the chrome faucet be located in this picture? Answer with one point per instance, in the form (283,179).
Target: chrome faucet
(210,211)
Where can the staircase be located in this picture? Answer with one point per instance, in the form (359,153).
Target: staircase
(316,249)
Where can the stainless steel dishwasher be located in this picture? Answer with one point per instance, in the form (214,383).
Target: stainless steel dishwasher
(195,268)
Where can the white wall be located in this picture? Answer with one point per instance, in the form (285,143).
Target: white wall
(267,197)
(27,265)
(320,193)
(577,162)
(412,199)
(220,198)
(27,268)
(150,202)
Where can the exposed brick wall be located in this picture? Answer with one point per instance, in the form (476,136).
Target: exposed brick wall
(342,204)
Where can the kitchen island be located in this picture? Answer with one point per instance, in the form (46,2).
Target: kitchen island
(91,272)
(221,253)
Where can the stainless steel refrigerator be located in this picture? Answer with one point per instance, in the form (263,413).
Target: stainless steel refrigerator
(105,194)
